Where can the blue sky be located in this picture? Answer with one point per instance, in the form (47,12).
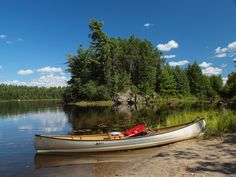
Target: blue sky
(35,36)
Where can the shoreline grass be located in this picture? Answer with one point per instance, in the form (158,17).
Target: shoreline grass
(218,122)
(93,103)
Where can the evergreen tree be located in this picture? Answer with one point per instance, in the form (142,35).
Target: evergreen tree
(216,83)
(208,91)
(195,80)
(182,82)
(230,86)
(12,92)
(167,83)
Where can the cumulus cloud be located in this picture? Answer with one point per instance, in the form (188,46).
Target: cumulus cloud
(50,81)
(205,64)
(221,55)
(211,71)
(232,46)
(49,69)
(178,63)
(14,82)
(169,56)
(25,72)
(148,25)
(2,36)
(167,47)
(219,50)
(43,81)
(230,50)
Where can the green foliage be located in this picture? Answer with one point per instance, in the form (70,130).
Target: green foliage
(182,82)
(167,82)
(216,83)
(110,65)
(230,86)
(10,92)
(217,122)
(195,80)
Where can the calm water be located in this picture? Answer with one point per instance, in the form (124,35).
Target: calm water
(20,121)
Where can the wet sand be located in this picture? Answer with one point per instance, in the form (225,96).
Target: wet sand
(201,158)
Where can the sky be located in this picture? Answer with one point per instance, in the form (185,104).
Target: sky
(36,36)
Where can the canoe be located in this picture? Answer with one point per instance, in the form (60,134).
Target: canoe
(103,142)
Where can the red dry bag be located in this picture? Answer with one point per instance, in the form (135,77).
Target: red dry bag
(135,130)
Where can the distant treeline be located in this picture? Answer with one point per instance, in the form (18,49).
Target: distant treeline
(10,92)
(113,65)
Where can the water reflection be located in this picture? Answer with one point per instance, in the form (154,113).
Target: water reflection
(90,120)
(10,109)
(92,164)
(20,121)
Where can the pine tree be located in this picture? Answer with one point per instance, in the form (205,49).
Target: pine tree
(182,82)
(167,83)
(195,80)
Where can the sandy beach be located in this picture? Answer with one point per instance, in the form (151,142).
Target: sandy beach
(188,158)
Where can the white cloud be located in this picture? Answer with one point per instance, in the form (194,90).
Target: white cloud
(224,80)
(49,69)
(8,42)
(229,51)
(169,56)
(205,64)
(221,55)
(167,47)
(147,25)
(232,46)
(2,36)
(14,82)
(211,71)
(219,50)
(178,63)
(25,72)
(234,60)
(50,81)
(43,81)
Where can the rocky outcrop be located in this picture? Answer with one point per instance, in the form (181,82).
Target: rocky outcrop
(127,98)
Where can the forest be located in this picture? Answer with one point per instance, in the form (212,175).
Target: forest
(10,92)
(109,66)
(112,65)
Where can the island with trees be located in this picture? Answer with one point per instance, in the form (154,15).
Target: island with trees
(113,65)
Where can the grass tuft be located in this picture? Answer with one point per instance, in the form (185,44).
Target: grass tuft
(218,122)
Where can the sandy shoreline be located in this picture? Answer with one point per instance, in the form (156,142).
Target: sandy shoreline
(188,158)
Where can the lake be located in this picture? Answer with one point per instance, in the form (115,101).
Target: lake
(20,121)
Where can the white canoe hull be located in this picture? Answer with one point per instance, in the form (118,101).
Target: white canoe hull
(46,144)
